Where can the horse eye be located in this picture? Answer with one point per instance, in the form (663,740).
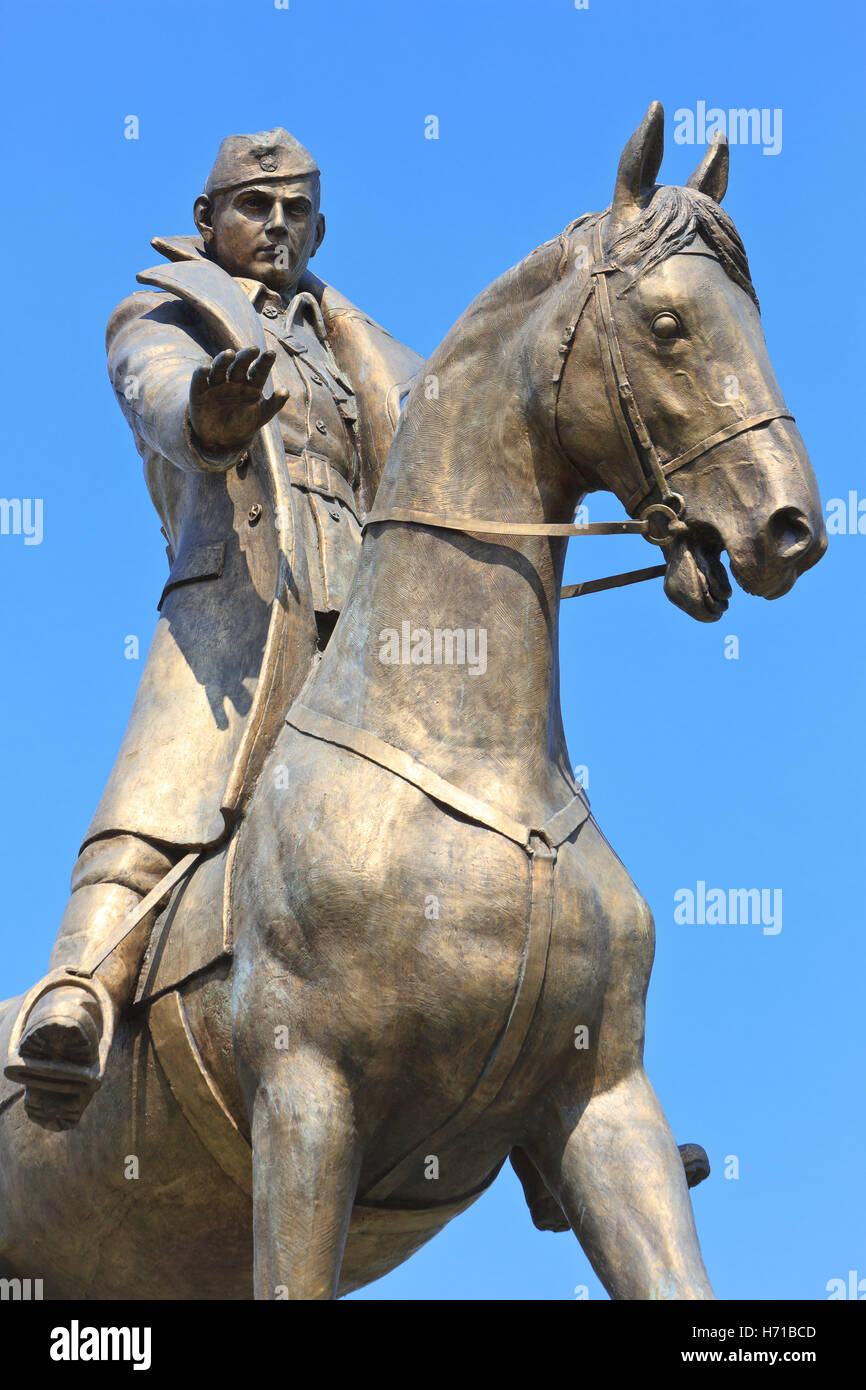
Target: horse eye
(666,326)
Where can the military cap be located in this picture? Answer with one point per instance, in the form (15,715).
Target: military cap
(270,154)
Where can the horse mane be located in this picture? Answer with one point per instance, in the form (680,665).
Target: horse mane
(671,220)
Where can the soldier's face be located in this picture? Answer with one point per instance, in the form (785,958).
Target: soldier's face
(266,231)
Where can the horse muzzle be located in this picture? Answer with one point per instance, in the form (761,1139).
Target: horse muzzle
(695,579)
(788,544)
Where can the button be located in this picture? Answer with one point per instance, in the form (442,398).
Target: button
(314,376)
(321,427)
(254,514)
(271,310)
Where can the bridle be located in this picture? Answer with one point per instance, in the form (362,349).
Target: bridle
(659,522)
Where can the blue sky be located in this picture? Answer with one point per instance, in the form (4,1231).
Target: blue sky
(744,772)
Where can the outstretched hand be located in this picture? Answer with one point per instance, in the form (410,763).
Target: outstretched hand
(226,405)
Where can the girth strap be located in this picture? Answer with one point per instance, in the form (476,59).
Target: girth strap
(541,847)
(376,750)
(508,1046)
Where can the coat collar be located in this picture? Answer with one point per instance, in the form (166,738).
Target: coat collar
(306,303)
(191,248)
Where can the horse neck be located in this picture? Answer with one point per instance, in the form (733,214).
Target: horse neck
(465,447)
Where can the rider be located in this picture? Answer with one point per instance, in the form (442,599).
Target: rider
(212,681)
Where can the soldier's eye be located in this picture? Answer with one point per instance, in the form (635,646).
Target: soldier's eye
(666,326)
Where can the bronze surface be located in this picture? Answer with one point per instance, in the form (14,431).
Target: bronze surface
(421,910)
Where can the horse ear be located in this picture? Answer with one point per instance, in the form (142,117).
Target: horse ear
(711,175)
(639,165)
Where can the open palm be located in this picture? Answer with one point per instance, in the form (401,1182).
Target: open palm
(226,402)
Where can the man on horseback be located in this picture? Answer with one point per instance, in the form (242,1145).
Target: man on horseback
(261,497)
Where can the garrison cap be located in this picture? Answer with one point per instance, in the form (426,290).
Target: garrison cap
(270,154)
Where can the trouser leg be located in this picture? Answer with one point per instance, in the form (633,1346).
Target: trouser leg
(59,1051)
(110,878)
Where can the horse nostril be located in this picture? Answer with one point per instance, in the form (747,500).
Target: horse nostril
(789,533)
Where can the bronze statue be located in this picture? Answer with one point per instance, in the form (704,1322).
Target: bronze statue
(370,969)
(237,631)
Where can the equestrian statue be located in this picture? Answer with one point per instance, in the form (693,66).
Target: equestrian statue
(344,934)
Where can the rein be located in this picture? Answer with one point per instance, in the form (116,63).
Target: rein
(660,521)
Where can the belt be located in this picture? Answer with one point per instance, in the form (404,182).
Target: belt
(317,474)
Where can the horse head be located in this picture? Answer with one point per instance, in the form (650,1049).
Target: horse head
(665,394)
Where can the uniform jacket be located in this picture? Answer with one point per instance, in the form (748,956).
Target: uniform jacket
(237,630)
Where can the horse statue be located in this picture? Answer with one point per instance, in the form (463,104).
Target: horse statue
(432,955)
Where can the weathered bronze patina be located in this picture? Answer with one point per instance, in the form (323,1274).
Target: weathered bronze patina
(247,601)
(391,911)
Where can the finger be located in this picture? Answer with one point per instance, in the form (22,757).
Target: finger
(219,366)
(260,369)
(269,408)
(243,359)
(198,385)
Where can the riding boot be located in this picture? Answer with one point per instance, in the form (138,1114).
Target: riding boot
(68,1028)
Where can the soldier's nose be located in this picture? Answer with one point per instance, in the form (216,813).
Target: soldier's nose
(277,221)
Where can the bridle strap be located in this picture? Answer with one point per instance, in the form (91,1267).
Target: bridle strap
(669,510)
(729,432)
(612,581)
(634,421)
(472,526)
(655,472)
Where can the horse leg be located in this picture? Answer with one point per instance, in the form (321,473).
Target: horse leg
(305,1172)
(617,1172)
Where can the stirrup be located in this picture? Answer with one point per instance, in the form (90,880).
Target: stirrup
(64,1077)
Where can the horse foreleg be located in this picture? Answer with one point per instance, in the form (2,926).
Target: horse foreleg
(305,1172)
(617,1172)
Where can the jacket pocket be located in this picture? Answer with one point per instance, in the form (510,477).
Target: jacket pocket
(197,562)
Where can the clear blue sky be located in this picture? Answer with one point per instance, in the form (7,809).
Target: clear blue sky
(738,773)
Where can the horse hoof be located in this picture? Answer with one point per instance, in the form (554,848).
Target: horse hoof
(695,1162)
